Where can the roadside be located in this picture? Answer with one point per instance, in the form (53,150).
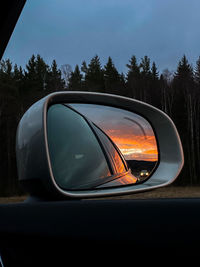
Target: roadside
(14,199)
(165,192)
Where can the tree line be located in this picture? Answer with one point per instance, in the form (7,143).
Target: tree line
(176,93)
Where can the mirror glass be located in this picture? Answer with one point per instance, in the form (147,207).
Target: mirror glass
(95,146)
(131,133)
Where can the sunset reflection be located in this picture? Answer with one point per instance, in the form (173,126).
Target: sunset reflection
(132,134)
(136,147)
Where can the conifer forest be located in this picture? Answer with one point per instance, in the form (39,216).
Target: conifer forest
(176,93)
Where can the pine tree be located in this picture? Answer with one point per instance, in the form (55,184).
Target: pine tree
(146,81)
(184,113)
(145,66)
(75,80)
(154,72)
(133,78)
(18,73)
(36,74)
(197,73)
(122,79)
(30,83)
(184,74)
(8,86)
(111,77)
(18,77)
(9,113)
(84,67)
(166,91)
(154,93)
(133,68)
(42,70)
(6,71)
(31,69)
(94,79)
(54,81)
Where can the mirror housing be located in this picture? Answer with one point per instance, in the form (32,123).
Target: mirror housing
(33,159)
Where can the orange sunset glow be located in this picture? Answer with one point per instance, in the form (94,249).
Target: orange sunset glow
(136,147)
(131,132)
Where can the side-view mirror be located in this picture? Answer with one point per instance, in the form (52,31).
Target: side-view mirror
(80,145)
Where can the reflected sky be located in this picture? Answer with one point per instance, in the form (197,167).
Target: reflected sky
(132,134)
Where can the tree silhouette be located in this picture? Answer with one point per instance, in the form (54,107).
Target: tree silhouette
(154,72)
(145,67)
(133,78)
(177,94)
(197,73)
(154,87)
(75,79)
(184,112)
(166,92)
(9,116)
(184,74)
(146,84)
(53,80)
(111,77)
(18,90)
(94,78)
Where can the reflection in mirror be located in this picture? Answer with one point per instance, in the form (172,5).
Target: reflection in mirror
(82,156)
(72,146)
(131,133)
(95,146)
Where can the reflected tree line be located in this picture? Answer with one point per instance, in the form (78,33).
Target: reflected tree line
(176,93)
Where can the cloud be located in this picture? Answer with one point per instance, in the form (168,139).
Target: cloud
(71,31)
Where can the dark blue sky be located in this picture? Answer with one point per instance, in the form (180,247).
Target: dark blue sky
(77,30)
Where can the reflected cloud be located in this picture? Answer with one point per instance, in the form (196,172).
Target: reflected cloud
(132,133)
(136,147)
